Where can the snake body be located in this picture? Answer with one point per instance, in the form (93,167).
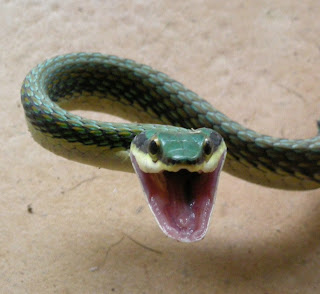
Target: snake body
(93,81)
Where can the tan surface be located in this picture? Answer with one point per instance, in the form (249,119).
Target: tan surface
(257,61)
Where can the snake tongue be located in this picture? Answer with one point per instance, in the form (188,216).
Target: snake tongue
(182,201)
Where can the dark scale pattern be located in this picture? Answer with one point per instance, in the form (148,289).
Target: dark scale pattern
(107,77)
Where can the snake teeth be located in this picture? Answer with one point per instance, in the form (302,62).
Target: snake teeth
(182,201)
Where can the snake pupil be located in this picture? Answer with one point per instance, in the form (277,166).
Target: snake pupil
(207,147)
(153,147)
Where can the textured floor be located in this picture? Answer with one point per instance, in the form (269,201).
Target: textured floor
(89,230)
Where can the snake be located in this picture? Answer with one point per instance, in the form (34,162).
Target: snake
(177,142)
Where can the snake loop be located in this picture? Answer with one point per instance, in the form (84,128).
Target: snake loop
(177,137)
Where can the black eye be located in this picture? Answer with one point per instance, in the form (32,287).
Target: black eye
(207,147)
(154,147)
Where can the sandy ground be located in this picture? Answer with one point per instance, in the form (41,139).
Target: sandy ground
(90,230)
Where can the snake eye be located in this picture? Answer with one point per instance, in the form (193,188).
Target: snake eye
(207,147)
(154,148)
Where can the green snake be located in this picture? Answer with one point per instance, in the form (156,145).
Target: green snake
(177,144)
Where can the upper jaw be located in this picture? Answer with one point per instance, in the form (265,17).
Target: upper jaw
(147,165)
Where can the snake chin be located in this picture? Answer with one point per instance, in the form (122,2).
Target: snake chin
(182,201)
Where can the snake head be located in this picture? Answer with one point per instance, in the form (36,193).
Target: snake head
(179,171)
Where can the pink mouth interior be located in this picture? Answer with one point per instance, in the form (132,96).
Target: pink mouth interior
(181,201)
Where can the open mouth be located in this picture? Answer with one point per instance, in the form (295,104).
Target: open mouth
(182,201)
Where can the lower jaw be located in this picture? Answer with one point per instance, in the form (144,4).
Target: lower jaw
(182,202)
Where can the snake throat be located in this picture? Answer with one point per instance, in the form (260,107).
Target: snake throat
(182,202)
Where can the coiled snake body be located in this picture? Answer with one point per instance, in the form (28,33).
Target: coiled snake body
(93,81)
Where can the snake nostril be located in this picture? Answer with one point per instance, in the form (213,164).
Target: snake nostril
(173,161)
